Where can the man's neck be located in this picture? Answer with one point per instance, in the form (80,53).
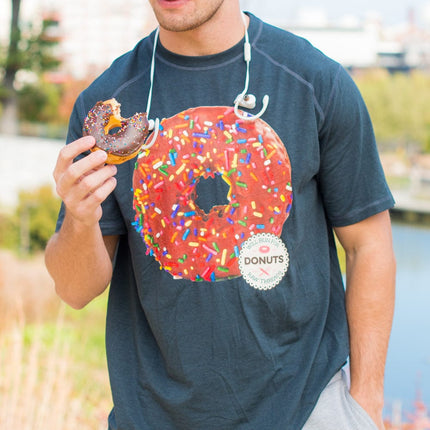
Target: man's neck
(224,30)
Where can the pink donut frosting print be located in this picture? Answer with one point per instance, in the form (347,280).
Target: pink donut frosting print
(201,143)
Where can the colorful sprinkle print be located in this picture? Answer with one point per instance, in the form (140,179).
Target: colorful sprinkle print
(201,143)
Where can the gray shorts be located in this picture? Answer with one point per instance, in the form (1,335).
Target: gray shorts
(336,409)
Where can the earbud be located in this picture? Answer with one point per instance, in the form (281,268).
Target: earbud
(155,126)
(247,101)
(250,117)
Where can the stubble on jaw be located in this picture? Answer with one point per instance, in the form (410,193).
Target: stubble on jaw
(180,22)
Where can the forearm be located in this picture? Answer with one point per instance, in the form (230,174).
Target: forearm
(370,307)
(370,293)
(78,261)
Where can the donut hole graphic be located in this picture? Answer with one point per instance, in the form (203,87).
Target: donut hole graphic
(211,192)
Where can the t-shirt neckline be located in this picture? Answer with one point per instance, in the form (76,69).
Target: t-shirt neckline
(207,61)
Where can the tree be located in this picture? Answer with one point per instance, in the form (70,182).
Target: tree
(398,104)
(32,51)
(8,120)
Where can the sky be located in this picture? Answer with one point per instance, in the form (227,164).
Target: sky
(390,11)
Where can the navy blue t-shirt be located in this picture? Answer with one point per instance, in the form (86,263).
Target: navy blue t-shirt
(203,355)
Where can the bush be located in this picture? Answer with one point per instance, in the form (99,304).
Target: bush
(31,225)
(9,232)
(40,102)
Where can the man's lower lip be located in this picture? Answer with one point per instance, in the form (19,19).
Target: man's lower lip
(169,4)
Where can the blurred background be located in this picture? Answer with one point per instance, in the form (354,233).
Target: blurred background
(52,362)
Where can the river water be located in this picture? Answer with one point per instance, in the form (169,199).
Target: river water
(408,361)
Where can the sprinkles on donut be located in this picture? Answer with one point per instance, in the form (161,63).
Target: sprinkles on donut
(201,143)
(122,145)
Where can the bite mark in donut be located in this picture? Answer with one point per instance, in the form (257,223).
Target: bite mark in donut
(123,144)
(200,143)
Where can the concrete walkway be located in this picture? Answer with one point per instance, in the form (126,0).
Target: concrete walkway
(26,163)
(407,202)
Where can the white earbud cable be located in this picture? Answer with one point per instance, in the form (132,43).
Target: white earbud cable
(241,99)
(153,125)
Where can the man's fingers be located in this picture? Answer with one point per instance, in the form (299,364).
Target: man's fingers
(75,172)
(90,182)
(100,194)
(89,209)
(69,152)
(74,188)
(85,183)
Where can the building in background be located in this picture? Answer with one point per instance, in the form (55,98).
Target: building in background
(368,44)
(355,46)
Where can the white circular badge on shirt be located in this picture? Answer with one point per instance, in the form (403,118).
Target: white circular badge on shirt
(263,261)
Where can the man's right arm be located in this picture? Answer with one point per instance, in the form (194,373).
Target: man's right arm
(78,256)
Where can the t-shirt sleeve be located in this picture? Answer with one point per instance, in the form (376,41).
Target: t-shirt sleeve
(112,221)
(351,177)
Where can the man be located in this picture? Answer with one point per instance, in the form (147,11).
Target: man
(225,355)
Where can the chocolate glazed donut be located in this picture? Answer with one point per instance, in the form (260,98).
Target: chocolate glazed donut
(123,144)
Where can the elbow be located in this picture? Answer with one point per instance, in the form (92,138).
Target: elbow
(74,301)
(77,298)
(77,305)
(75,284)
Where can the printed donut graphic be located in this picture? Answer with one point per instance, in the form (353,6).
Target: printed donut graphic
(201,143)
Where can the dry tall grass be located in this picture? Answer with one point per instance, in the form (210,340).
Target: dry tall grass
(42,384)
(26,290)
(36,387)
